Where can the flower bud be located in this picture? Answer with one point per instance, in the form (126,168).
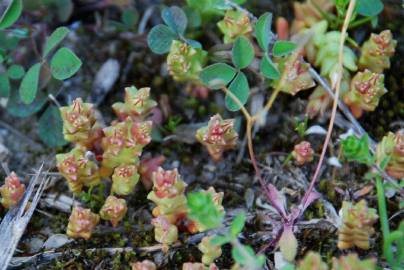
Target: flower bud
(303,153)
(376,52)
(356,228)
(210,251)
(307,14)
(312,261)
(12,191)
(168,194)
(164,231)
(78,170)
(392,147)
(184,62)
(235,23)
(81,223)
(295,75)
(351,261)
(137,104)
(366,89)
(218,136)
(78,121)
(124,141)
(124,179)
(144,265)
(114,210)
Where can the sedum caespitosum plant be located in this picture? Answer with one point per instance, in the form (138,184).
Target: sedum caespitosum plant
(377,51)
(357,225)
(111,152)
(309,13)
(144,265)
(81,223)
(210,251)
(303,153)
(392,148)
(11,191)
(357,149)
(313,261)
(218,136)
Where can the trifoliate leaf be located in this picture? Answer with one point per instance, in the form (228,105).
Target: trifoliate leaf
(240,89)
(29,84)
(64,64)
(160,39)
(242,53)
(217,75)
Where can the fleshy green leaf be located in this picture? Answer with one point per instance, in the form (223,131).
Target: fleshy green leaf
(238,224)
(242,53)
(160,39)
(203,210)
(217,75)
(129,17)
(369,8)
(29,84)
(245,256)
(54,39)
(4,86)
(175,18)
(268,69)
(240,89)
(50,127)
(11,14)
(263,31)
(64,64)
(282,47)
(357,149)
(15,72)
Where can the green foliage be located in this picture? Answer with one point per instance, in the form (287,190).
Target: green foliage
(55,39)
(301,127)
(29,84)
(357,149)
(160,38)
(245,256)
(240,89)
(217,75)
(269,69)
(242,53)
(15,72)
(11,14)
(4,86)
(203,210)
(238,224)
(50,127)
(369,8)
(64,64)
(175,18)
(263,31)
(282,48)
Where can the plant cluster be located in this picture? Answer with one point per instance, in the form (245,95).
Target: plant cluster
(101,152)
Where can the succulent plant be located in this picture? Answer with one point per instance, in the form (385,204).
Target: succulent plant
(295,75)
(327,54)
(78,169)
(137,104)
(164,232)
(303,153)
(217,207)
(210,251)
(11,191)
(235,23)
(307,13)
(124,141)
(218,136)
(312,261)
(376,52)
(356,228)
(357,149)
(352,262)
(124,179)
(392,147)
(366,89)
(184,62)
(168,195)
(78,121)
(144,265)
(114,210)
(82,223)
